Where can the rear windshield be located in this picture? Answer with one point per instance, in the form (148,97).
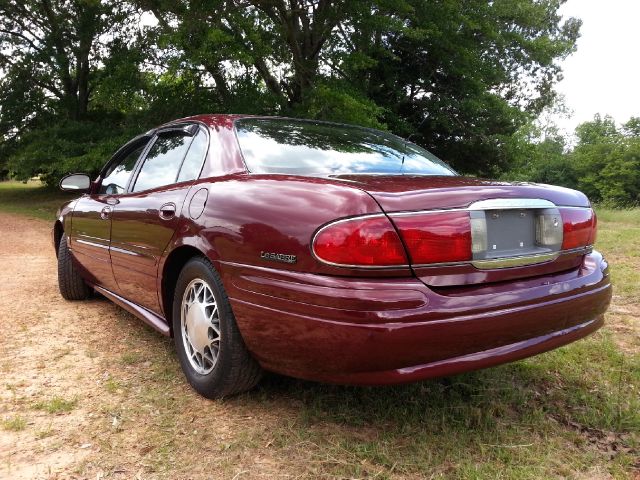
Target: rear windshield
(303,147)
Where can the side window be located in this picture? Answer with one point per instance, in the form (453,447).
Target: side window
(116,178)
(193,161)
(163,161)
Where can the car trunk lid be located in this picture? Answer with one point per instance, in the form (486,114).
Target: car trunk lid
(396,193)
(514,230)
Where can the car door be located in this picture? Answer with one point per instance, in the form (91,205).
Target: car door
(91,222)
(147,216)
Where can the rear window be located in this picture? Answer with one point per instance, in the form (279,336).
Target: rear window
(303,147)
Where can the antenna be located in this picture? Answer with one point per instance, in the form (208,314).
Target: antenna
(408,139)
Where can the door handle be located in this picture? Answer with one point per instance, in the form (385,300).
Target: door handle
(167,211)
(105,213)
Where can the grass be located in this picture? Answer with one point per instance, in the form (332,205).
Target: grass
(131,357)
(56,405)
(14,424)
(31,199)
(570,413)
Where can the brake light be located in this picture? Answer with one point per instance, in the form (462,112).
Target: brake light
(579,227)
(436,237)
(368,241)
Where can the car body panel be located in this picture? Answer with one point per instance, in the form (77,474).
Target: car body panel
(90,235)
(140,234)
(302,317)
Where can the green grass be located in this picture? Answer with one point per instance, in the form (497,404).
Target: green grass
(131,358)
(56,405)
(31,199)
(14,424)
(619,239)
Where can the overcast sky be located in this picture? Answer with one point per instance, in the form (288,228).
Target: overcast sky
(603,75)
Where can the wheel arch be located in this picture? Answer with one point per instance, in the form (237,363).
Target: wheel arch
(58,231)
(170,271)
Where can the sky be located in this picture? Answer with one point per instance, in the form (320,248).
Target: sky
(603,75)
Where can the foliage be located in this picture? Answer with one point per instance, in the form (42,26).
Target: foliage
(461,77)
(57,46)
(65,146)
(474,70)
(604,164)
(607,161)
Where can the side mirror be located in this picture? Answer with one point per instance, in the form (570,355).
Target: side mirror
(76,182)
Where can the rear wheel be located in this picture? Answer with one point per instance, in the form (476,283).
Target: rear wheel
(71,284)
(210,348)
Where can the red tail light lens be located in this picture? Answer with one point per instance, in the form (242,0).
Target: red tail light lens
(579,227)
(436,237)
(369,241)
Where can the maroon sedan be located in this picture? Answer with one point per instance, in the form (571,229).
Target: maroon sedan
(327,252)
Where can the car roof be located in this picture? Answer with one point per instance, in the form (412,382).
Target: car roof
(226,120)
(213,120)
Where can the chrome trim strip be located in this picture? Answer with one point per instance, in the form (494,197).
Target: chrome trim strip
(82,235)
(92,244)
(580,250)
(470,209)
(125,251)
(511,204)
(508,262)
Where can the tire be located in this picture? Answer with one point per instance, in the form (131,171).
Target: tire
(71,284)
(233,370)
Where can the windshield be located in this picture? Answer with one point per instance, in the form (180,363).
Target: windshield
(304,147)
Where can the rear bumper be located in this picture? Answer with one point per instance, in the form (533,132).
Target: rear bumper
(384,331)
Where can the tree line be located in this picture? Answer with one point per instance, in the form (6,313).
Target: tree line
(604,162)
(463,79)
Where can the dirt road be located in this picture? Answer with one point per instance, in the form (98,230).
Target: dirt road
(89,391)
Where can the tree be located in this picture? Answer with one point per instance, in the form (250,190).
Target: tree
(460,76)
(58,46)
(607,161)
(275,42)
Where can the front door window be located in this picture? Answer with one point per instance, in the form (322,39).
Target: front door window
(117,176)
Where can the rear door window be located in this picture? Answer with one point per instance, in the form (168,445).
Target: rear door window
(193,161)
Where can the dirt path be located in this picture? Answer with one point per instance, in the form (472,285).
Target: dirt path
(84,384)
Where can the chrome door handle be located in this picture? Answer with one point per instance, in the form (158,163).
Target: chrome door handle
(105,213)
(167,211)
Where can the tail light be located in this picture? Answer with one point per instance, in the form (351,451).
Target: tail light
(436,237)
(361,242)
(579,227)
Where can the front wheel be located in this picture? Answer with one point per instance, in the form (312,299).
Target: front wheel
(211,351)
(71,284)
